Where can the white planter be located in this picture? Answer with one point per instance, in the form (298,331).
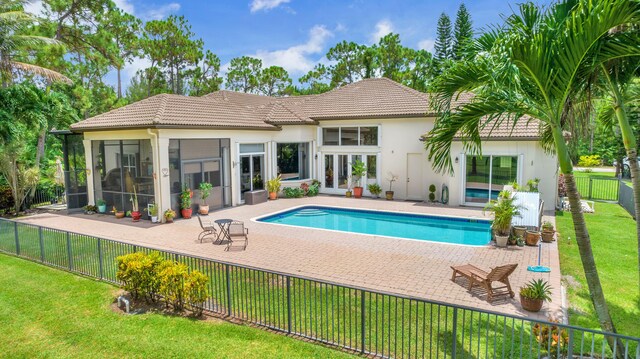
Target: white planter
(154,219)
(501,241)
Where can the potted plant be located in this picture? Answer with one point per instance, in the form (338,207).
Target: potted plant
(432,193)
(185,203)
(547,232)
(169,215)
(375,190)
(391,178)
(503,210)
(153,212)
(205,191)
(358,170)
(348,193)
(532,238)
(273,187)
(534,294)
(90,209)
(135,213)
(102,205)
(519,231)
(118,214)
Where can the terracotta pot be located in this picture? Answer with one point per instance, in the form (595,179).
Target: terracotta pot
(273,196)
(519,231)
(136,216)
(531,305)
(532,238)
(501,241)
(203,209)
(389,195)
(547,236)
(120,214)
(348,194)
(357,192)
(186,213)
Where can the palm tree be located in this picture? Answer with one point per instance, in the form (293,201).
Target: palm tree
(13,24)
(531,71)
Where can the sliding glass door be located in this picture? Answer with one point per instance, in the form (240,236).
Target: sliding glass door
(337,171)
(486,176)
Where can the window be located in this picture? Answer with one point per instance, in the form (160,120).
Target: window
(293,161)
(350,136)
(487,175)
(251,147)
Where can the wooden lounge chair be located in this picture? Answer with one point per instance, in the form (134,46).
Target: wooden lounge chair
(237,230)
(206,230)
(477,276)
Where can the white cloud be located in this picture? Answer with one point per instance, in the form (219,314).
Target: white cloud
(160,12)
(296,59)
(131,69)
(383,27)
(34,7)
(426,44)
(257,5)
(125,5)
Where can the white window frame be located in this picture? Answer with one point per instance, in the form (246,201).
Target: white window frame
(463,163)
(310,157)
(321,136)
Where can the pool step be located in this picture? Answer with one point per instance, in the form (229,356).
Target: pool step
(311,213)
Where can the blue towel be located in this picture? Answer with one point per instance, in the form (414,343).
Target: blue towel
(539,269)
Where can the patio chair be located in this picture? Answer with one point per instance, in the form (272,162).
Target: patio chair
(206,230)
(237,230)
(477,276)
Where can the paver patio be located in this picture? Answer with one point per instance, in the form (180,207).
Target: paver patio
(417,268)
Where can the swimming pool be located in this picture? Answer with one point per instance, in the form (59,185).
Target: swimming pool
(474,232)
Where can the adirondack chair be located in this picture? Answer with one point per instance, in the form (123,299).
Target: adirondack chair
(477,276)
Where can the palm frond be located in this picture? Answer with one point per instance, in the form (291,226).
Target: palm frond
(50,75)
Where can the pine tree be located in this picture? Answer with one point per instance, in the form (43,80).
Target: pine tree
(462,32)
(444,41)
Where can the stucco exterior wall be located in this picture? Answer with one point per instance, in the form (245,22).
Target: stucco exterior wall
(399,150)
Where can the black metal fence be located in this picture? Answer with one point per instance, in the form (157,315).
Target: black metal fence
(604,189)
(365,321)
(47,196)
(626,199)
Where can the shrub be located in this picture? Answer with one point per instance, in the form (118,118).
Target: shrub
(589,161)
(293,192)
(313,190)
(375,189)
(432,193)
(172,278)
(139,274)
(195,288)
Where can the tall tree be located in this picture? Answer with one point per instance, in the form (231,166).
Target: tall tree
(462,33)
(244,74)
(535,69)
(15,39)
(392,58)
(171,44)
(274,81)
(146,83)
(317,81)
(124,30)
(205,76)
(444,40)
(349,65)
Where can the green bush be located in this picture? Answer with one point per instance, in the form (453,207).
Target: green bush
(172,277)
(313,190)
(293,192)
(589,161)
(432,193)
(195,288)
(139,274)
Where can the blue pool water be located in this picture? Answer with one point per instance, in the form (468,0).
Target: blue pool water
(403,225)
(481,193)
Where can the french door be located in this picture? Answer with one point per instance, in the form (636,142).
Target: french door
(251,173)
(337,171)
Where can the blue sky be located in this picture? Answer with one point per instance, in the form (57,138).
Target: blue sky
(295,34)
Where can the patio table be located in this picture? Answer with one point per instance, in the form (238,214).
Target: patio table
(224,224)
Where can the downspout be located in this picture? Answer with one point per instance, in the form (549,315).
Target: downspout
(156,177)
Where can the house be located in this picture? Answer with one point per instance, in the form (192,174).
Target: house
(237,141)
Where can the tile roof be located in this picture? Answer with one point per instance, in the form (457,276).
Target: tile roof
(368,98)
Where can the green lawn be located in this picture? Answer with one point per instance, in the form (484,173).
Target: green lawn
(595,174)
(614,245)
(49,313)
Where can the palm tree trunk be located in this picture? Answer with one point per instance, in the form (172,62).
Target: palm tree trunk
(584,240)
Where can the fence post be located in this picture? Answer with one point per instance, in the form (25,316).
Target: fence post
(69,255)
(570,348)
(100,258)
(590,186)
(15,232)
(363,327)
(288,305)
(41,244)
(454,329)
(228,275)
